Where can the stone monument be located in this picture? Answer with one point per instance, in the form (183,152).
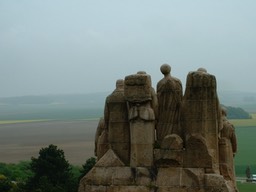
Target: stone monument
(164,142)
(117,124)
(169,94)
(227,149)
(142,105)
(101,139)
(201,121)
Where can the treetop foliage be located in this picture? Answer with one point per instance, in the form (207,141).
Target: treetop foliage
(237,113)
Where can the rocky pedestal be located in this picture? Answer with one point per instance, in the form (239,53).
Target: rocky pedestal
(111,175)
(197,158)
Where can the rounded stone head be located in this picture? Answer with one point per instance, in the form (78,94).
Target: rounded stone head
(202,70)
(165,69)
(223,111)
(120,83)
(141,72)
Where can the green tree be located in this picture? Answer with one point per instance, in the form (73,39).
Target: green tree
(87,166)
(237,113)
(51,172)
(248,172)
(5,184)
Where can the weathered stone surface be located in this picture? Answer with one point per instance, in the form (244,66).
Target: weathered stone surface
(197,154)
(141,155)
(101,142)
(131,159)
(102,145)
(192,177)
(201,113)
(128,189)
(94,188)
(180,189)
(215,183)
(116,122)
(137,88)
(142,140)
(122,176)
(109,159)
(227,150)
(142,106)
(173,142)
(169,94)
(169,177)
(144,176)
(168,158)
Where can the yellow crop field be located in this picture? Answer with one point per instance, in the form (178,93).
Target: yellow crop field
(244,122)
(2,122)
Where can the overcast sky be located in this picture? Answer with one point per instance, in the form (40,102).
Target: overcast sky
(84,46)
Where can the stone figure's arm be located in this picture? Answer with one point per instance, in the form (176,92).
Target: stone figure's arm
(154,102)
(159,86)
(97,134)
(219,118)
(181,90)
(233,140)
(106,114)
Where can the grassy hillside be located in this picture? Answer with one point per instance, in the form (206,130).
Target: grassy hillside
(245,100)
(61,107)
(51,112)
(246,156)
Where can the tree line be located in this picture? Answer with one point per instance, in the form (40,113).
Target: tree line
(50,172)
(237,113)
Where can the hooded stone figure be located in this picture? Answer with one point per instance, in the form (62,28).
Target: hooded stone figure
(169,94)
(142,106)
(227,149)
(116,122)
(201,121)
(101,139)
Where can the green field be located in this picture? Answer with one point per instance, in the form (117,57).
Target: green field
(38,112)
(246,156)
(245,131)
(246,187)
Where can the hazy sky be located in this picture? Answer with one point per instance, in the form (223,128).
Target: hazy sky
(84,46)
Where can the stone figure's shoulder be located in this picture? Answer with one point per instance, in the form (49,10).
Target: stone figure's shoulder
(115,95)
(177,81)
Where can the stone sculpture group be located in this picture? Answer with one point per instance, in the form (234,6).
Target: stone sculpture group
(163,141)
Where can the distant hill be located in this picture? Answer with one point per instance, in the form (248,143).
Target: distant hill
(237,113)
(245,100)
(57,107)
(92,100)
(81,106)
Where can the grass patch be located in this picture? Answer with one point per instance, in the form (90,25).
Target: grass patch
(244,122)
(246,187)
(253,115)
(246,156)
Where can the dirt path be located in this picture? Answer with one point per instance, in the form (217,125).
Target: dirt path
(21,141)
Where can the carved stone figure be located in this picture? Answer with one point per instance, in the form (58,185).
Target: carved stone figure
(101,139)
(116,121)
(228,149)
(142,105)
(201,120)
(199,160)
(169,94)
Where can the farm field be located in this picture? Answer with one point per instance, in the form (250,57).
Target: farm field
(246,156)
(21,140)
